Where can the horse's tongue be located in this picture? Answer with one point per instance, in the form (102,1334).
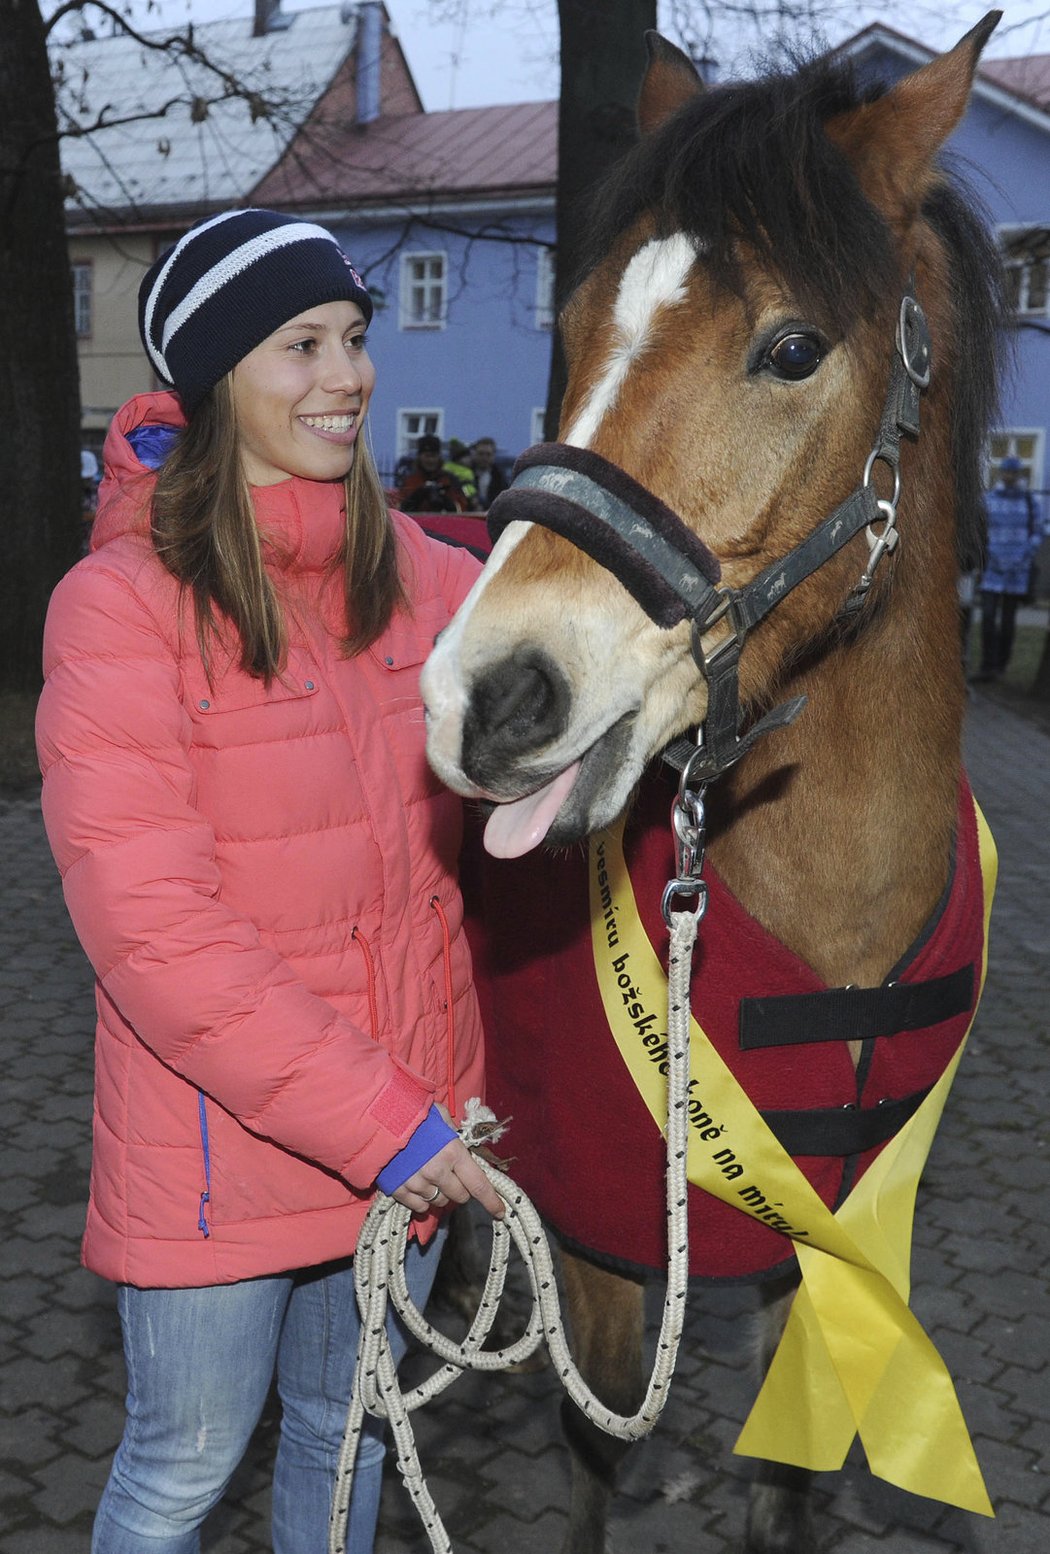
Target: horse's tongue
(515,828)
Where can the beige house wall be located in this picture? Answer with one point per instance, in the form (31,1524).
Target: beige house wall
(113,365)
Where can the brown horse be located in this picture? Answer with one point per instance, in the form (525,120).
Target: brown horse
(730,387)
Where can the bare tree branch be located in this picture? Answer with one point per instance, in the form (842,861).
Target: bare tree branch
(182,50)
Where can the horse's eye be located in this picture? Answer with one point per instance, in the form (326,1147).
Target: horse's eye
(796,356)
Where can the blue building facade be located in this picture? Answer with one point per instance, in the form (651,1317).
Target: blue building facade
(461,336)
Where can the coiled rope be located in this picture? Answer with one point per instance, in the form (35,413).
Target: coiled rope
(379,1278)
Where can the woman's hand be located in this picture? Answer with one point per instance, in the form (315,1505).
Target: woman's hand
(450,1176)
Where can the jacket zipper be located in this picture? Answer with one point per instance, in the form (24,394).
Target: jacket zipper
(450,1008)
(370,972)
(202,1115)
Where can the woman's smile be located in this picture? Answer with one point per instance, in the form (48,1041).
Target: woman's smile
(341,429)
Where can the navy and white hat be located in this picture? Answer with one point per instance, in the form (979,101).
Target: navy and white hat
(228,284)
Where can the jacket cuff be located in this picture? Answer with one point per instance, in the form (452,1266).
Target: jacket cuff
(432,1134)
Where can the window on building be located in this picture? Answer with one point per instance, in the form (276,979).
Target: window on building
(424,289)
(536,424)
(413,424)
(1026,253)
(82,291)
(544,288)
(1026,286)
(1024,443)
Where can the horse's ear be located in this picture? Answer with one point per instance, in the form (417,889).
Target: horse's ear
(893,141)
(671,79)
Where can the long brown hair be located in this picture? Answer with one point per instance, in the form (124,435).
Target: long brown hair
(203,528)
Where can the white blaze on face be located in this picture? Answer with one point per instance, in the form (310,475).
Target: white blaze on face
(656,277)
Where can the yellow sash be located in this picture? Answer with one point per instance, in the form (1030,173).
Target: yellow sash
(853,1359)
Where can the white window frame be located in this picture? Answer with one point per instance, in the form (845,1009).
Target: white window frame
(1026,443)
(1025,248)
(430,309)
(544,288)
(414,422)
(1026,268)
(83,297)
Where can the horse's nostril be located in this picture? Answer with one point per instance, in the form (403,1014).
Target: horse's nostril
(523,703)
(520,705)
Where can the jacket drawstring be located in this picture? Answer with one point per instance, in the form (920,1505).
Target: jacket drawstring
(450,1007)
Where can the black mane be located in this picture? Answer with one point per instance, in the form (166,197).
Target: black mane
(751,161)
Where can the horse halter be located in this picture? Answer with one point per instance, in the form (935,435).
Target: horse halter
(673,575)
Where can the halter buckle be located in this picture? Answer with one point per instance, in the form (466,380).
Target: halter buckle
(725,608)
(703,620)
(914,343)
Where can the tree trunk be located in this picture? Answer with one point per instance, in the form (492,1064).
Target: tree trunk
(39,381)
(602,62)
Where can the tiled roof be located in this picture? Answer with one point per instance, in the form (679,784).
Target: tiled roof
(173,161)
(1029,77)
(461,152)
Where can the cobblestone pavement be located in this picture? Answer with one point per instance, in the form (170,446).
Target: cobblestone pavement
(491,1445)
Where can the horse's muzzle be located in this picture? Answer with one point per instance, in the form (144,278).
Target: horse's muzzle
(516,709)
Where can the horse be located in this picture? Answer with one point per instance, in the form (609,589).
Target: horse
(741,530)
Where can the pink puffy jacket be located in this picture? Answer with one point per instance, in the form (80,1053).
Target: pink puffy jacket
(264,880)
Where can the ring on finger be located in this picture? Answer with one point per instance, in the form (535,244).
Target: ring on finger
(435,1194)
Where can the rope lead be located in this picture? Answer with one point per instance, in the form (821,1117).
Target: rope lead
(379,1279)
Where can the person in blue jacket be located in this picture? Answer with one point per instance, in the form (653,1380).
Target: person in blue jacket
(1015,531)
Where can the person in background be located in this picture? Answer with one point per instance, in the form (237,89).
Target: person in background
(489,480)
(457,466)
(1015,531)
(429,488)
(261,869)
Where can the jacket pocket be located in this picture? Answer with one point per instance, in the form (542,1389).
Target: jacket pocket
(399,655)
(235,691)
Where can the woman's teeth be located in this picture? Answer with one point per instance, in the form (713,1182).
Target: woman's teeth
(330,423)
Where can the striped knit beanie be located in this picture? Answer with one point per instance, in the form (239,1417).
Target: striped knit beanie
(228,284)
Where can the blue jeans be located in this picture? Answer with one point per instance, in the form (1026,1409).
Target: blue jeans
(200,1363)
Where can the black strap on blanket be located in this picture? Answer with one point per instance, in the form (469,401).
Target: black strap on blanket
(843,1130)
(855,1013)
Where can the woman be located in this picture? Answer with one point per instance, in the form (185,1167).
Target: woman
(261,869)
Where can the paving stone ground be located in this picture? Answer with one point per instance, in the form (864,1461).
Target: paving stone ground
(491,1446)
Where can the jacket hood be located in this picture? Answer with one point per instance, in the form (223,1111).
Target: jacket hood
(127,484)
(302,522)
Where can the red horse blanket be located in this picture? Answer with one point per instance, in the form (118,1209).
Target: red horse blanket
(585,1148)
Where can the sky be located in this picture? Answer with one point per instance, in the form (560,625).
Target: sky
(469,53)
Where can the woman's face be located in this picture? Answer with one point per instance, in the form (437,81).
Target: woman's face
(300,397)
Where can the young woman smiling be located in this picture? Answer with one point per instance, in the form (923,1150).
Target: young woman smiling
(261,869)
